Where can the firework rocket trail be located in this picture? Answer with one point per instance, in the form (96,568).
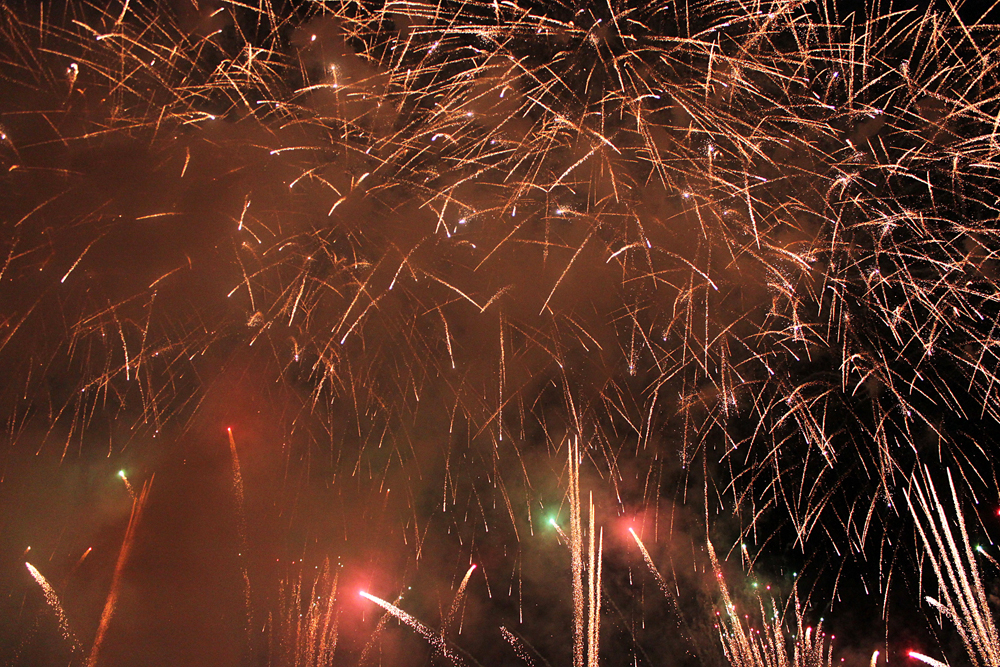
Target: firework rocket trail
(746,647)
(457,602)
(434,639)
(53,601)
(123,555)
(963,598)
(649,563)
(586,606)
(520,650)
(309,636)
(242,527)
(594,591)
(128,485)
(926,659)
(576,552)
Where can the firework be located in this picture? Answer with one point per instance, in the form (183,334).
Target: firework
(926,659)
(963,598)
(309,622)
(746,647)
(123,556)
(747,247)
(434,639)
(53,601)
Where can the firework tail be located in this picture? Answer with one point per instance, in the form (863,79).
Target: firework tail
(926,659)
(434,639)
(370,644)
(457,602)
(576,552)
(652,567)
(520,649)
(745,647)
(53,601)
(671,595)
(123,555)
(594,586)
(242,527)
(961,592)
(307,637)
(586,605)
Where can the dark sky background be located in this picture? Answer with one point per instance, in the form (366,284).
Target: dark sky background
(406,253)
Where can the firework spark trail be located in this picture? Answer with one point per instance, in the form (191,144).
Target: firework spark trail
(594,569)
(309,635)
(520,650)
(53,601)
(963,598)
(652,567)
(746,647)
(586,600)
(242,529)
(457,602)
(576,552)
(370,644)
(123,555)
(926,659)
(434,639)
(128,485)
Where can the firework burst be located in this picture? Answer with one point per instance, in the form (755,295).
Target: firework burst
(746,248)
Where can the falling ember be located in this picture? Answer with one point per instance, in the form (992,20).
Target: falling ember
(53,601)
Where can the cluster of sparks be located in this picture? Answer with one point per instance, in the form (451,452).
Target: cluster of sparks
(746,245)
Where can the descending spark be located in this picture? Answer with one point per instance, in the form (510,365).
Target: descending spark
(53,601)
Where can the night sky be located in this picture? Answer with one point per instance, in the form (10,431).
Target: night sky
(300,300)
